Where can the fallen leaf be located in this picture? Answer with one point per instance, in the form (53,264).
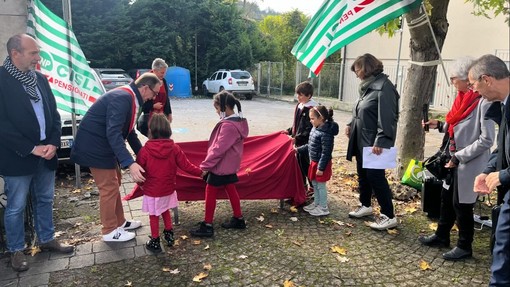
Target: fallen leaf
(200,276)
(76,191)
(260,218)
(175,271)
(410,209)
(166,269)
(424,265)
(59,233)
(274,210)
(293,209)
(350,224)
(342,259)
(128,283)
(288,283)
(367,223)
(455,228)
(348,233)
(339,250)
(207,267)
(293,219)
(392,231)
(88,187)
(184,237)
(196,242)
(297,243)
(339,222)
(35,250)
(206,247)
(433,226)
(177,242)
(268,226)
(242,257)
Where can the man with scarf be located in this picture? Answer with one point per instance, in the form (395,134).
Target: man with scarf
(469,137)
(30,127)
(490,76)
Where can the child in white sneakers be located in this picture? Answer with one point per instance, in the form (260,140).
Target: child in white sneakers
(320,149)
(160,158)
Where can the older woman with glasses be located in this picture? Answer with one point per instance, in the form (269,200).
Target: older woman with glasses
(468,139)
(160,103)
(374,125)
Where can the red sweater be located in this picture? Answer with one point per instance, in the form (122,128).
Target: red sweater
(160,159)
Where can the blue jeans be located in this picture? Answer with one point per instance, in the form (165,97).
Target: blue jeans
(320,196)
(41,186)
(501,256)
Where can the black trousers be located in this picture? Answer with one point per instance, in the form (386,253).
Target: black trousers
(304,162)
(374,181)
(451,211)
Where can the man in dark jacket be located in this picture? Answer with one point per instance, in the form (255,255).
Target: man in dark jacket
(490,77)
(100,145)
(30,127)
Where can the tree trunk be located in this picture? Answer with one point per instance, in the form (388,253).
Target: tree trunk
(421,79)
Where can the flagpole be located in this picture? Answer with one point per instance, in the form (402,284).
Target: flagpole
(435,43)
(66,7)
(401,30)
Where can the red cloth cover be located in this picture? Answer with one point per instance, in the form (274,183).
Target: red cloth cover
(269,170)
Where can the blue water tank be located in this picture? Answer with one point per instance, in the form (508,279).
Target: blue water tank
(179,82)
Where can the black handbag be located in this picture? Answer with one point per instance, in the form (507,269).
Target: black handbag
(435,164)
(142,124)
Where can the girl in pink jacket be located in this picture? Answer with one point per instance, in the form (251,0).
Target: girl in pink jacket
(222,162)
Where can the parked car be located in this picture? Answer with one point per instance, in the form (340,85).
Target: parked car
(238,82)
(112,77)
(135,73)
(66,122)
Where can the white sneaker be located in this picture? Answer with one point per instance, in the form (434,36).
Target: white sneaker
(384,222)
(131,224)
(310,207)
(118,235)
(361,212)
(319,211)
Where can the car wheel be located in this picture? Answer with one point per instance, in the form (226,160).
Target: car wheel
(249,96)
(222,89)
(206,92)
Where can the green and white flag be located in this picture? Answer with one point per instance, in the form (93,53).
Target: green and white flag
(62,60)
(340,22)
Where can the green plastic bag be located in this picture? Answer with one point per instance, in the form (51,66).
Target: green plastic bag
(413,176)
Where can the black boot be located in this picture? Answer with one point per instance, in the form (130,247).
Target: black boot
(236,223)
(169,237)
(434,241)
(204,230)
(153,244)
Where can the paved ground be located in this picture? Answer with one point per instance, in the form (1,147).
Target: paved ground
(284,246)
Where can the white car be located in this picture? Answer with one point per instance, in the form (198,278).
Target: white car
(238,82)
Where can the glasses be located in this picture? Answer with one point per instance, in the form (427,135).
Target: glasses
(471,85)
(154,93)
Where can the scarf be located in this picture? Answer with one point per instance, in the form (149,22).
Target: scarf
(463,105)
(28,79)
(363,86)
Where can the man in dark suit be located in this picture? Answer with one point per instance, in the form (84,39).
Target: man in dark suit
(490,77)
(100,145)
(30,128)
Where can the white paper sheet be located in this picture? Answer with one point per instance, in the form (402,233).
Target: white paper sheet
(387,159)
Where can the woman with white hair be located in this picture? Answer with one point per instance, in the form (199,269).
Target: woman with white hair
(468,140)
(161,101)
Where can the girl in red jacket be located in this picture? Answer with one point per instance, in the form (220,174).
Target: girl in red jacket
(160,158)
(222,162)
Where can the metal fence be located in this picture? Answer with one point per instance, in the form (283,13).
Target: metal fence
(337,81)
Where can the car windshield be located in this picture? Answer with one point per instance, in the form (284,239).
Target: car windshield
(240,75)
